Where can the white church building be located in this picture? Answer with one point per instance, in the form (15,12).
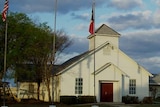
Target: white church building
(104,71)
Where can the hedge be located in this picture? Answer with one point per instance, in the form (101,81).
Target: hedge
(77,99)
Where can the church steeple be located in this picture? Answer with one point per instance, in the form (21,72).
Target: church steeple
(102,35)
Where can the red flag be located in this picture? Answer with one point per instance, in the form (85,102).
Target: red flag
(91,26)
(5,9)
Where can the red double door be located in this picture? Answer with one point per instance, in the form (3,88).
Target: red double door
(106,92)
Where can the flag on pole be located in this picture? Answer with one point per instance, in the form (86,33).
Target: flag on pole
(91,26)
(5,9)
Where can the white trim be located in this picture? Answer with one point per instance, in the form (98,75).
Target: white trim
(81,59)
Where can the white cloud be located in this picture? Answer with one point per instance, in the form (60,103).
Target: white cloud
(81,27)
(153,60)
(157,2)
(133,20)
(86,15)
(63,6)
(126,4)
(64,57)
(80,44)
(150,63)
(156,17)
(142,34)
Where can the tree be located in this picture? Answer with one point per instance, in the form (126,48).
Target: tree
(31,44)
(1,50)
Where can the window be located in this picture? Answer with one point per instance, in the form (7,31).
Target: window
(132,86)
(78,85)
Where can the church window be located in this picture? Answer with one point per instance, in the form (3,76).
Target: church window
(79,86)
(132,86)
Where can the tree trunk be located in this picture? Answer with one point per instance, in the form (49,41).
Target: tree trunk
(49,92)
(48,88)
(1,76)
(38,89)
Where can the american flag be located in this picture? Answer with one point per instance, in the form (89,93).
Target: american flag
(5,9)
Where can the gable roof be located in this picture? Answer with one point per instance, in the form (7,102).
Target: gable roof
(69,62)
(104,29)
(74,59)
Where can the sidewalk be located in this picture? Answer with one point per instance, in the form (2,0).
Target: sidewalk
(123,105)
(115,104)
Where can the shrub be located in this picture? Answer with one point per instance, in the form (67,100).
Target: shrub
(86,99)
(68,99)
(148,100)
(130,99)
(157,99)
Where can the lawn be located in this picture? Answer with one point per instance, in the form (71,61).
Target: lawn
(47,105)
(148,105)
(83,105)
(34,103)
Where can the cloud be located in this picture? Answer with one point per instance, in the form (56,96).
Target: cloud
(81,27)
(141,41)
(155,60)
(143,46)
(30,6)
(64,57)
(151,63)
(156,2)
(80,44)
(134,20)
(63,6)
(125,4)
(83,16)
(156,17)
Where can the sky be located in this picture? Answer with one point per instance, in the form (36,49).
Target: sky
(138,22)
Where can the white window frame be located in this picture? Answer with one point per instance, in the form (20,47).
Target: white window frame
(79,86)
(132,86)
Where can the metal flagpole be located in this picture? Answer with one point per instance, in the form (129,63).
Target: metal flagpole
(54,46)
(94,46)
(93,7)
(4,17)
(5,60)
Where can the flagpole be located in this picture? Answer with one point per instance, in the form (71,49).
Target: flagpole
(93,6)
(5,59)
(53,52)
(4,17)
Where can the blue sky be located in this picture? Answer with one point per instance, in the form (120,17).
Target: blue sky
(138,22)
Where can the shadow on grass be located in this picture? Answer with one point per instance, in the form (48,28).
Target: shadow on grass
(80,105)
(59,105)
(35,103)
